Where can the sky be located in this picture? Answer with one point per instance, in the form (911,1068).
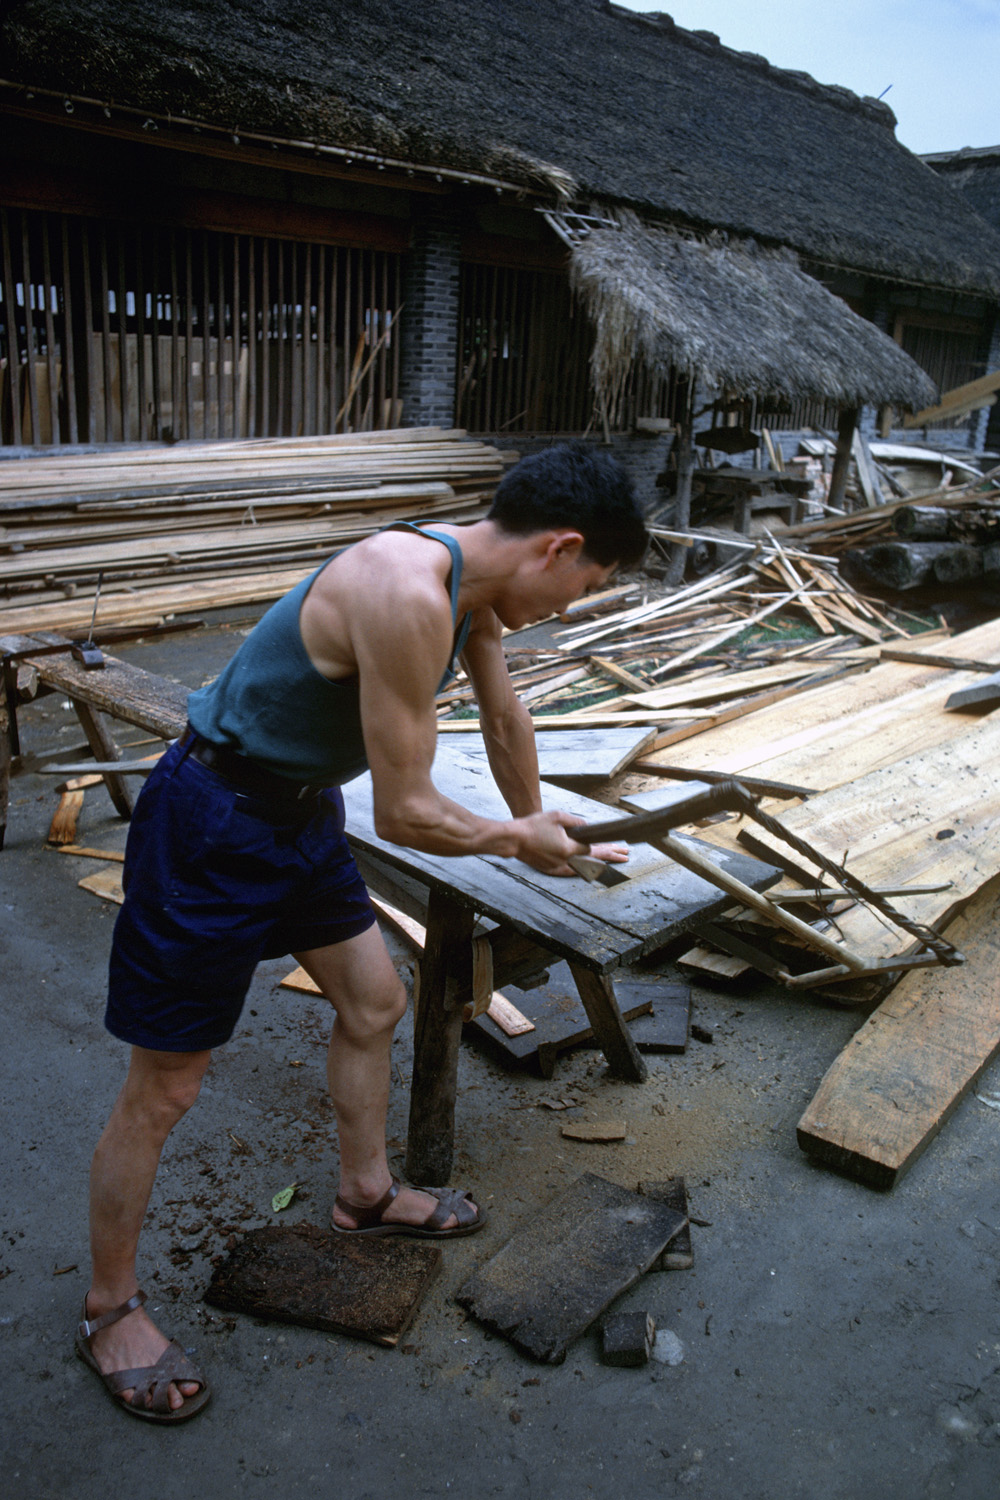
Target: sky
(936,63)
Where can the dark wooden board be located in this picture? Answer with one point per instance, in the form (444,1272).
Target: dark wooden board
(561,1022)
(913,1061)
(679,1254)
(598,926)
(556,1276)
(125,692)
(367,1288)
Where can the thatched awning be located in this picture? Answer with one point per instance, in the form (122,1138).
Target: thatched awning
(735,316)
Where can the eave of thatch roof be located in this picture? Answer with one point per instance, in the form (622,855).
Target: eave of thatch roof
(736,316)
(633,109)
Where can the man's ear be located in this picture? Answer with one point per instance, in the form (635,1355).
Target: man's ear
(564,545)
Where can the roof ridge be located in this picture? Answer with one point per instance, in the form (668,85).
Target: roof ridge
(708,41)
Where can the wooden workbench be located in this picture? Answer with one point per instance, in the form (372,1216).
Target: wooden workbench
(117,690)
(492,921)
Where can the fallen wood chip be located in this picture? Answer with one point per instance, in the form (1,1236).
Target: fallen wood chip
(104,883)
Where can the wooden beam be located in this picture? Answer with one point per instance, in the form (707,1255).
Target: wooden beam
(913,1061)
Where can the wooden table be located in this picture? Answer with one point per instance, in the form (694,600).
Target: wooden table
(491,922)
(117,690)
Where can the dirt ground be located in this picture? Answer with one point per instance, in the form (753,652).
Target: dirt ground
(835,1342)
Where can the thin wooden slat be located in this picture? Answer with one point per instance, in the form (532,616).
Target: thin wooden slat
(145,419)
(189,310)
(121,318)
(155,426)
(69,335)
(31,377)
(52,362)
(10,318)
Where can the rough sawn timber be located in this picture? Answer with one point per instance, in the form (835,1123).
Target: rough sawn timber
(913,1061)
(929,819)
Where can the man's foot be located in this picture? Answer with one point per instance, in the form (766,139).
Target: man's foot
(425,1213)
(146,1373)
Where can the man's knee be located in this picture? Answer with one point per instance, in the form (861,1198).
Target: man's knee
(378,1008)
(164,1086)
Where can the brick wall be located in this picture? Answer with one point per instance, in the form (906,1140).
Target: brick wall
(429,322)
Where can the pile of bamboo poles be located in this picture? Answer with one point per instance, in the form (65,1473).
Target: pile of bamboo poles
(675,661)
(205,525)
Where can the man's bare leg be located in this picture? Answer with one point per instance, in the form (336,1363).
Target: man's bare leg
(359,980)
(158,1091)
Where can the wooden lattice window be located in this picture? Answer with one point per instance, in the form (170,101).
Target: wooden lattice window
(113,332)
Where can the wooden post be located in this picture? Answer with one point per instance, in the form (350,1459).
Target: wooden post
(6,731)
(682,501)
(846,428)
(437,1031)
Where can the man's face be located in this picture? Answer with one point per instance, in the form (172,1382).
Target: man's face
(566,574)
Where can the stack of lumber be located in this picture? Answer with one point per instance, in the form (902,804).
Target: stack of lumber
(204,525)
(862,528)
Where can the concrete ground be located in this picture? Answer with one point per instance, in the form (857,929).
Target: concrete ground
(836,1342)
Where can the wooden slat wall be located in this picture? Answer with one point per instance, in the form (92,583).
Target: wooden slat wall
(524,357)
(115,333)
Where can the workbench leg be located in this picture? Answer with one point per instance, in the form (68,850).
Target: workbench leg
(104,748)
(613,1036)
(5,758)
(437,1031)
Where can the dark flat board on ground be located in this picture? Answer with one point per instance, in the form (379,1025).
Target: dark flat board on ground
(557,1275)
(656,1013)
(367,1288)
(913,1061)
(679,1254)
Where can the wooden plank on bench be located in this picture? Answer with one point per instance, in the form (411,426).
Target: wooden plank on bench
(118,689)
(913,1061)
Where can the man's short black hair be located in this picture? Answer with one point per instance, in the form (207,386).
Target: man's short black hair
(572,485)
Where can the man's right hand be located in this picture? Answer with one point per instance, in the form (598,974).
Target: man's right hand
(545,844)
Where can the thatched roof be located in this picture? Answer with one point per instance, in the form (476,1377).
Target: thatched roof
(631,108)
(739,317)
(975,172)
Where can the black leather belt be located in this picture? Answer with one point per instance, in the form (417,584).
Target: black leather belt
(245,774)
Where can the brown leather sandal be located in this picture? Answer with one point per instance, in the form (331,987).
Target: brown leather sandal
(173,1365)
(450,1201)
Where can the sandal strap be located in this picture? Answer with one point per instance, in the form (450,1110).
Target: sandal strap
(172,1366)
(450,1201)
(89,1326)
(368,1215)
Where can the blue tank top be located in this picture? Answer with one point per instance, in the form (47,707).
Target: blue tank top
(271,704)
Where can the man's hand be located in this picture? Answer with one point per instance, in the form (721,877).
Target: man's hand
(550,843)
(545,844)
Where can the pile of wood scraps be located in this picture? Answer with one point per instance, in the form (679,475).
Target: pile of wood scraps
(202,525)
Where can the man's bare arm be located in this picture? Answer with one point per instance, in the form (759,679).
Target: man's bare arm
(508,733)
(400,655)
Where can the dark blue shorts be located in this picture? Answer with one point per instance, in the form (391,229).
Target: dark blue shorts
(216,880)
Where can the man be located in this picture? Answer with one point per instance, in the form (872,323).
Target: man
(236,851)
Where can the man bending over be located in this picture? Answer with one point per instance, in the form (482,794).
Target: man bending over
(236,851)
